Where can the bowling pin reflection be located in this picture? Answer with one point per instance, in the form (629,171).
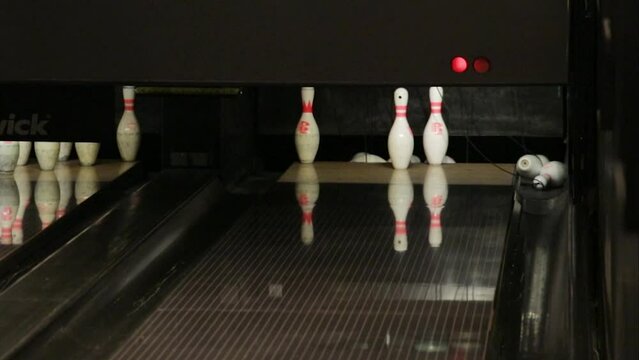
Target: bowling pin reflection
(86,184)
(23,181)
(435,195)
(47,197)
(307,192)
(9,200)
(400,198)
(63,174)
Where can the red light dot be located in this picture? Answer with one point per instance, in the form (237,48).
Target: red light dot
(481,65)
(459,64)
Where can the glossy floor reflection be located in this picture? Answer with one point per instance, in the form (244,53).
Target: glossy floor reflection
(31,199)
(403,269)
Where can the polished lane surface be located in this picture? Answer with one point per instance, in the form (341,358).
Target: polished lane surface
(32,199)
(345,261)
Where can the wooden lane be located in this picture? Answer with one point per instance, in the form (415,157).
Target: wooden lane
(359,173)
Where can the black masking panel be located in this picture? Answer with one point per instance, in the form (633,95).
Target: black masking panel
(285,41)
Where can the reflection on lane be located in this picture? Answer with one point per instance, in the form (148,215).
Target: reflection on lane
(53,194)
(307,192)
(261,292)
(435,195)
(400,198)
(9,201)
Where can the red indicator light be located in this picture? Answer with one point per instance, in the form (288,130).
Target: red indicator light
(459,64)
(481,65)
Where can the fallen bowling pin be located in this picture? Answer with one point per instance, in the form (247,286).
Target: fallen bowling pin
(529,166)
(553,174)
(363,157)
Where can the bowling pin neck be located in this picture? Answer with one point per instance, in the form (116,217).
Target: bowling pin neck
(307,107)
(435,107)
(435,220)
(307,217)
(400,227)
(400,111)
(129,105)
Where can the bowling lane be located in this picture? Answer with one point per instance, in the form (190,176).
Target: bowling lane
(346,261)
(32,199)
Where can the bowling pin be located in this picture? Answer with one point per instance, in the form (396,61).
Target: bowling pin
(65,183)
(128,133)
(435,195)
(307,192)
(65,151)
(47,154)
(529,166)
(363,157)
(400,198)
(87,152)
(9,153)
(543,158)
(415,159)
(400,138)
(553,174)
(435,132)
(25,151)
(86,184)
(23,181)
(47,197)
(9,200)
(307,135)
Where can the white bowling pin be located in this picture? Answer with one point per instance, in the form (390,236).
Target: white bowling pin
(9,201)
(553,174)
(435,195)
(128,133)
(363,157)
(415,159)
(448,160)
(47,197)
(23,181)
(86,184)
(25,151)
(307,192)
(528,166)
(307,135)
(65,182)
(87,152)
(543,158)
(47,154)
(9,153)
(400,138)
(65,151)
(400,198)
(435,132)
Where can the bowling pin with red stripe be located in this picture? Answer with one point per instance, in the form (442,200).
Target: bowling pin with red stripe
(400,138)
(435,195)
(307,135)
(128,133)
(400,198)
(435,131)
